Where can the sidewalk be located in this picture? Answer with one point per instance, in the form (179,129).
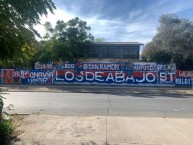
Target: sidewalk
(103,130)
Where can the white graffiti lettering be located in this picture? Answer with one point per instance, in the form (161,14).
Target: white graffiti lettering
(98,76)
(41,74)
(69,77)
(101,66)
(58,79)
(130,78)
(119,77)
(110,77)
(66,66)
(143,79)
(79,78)
(90,78)
(186,73)
(183,81)
(166,77)
(38,81)
(148,78)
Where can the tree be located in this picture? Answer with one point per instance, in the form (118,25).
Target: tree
(22,59)
(173,42)
(17,18)
(66,41)
(152,53)
(99,40)
(46,52)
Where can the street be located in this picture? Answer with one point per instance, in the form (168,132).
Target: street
(93,115)
(117,103)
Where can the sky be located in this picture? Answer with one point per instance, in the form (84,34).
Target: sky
(119,20)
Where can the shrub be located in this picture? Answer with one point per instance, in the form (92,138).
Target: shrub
(5,131)
(1,104)
(6,128)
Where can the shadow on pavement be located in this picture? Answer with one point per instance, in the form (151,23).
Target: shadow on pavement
(145,92)
(89,143)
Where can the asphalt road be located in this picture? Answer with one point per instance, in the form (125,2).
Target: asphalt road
(101,103)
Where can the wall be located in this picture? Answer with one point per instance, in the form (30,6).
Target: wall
(184,78)
(122,73)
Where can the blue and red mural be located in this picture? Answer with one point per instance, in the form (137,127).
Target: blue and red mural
(121,73)
(184,78)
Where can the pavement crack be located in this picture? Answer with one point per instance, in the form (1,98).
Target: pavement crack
(106,131)
(107,111)
(108,102)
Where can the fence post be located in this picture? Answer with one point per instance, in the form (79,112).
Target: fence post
(192,83)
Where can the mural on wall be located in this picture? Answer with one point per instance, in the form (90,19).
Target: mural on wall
(108,73)
(166,67)
(144,66)
(120,73)
(167,73)
(7,76)
(105,77)
(28,76)
(39,65)
(41,77)
(167,78)
(184,78)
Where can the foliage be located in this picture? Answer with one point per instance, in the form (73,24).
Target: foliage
(16,24)
(66,41)
(46,51)
(152,53)
(173,42)
(1,105)
(1,102)
(6,130)
(99,40)
(22,59)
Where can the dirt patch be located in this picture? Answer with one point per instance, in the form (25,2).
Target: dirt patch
(186,91)
(16,123)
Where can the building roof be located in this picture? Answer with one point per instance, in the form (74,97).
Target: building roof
(118,43)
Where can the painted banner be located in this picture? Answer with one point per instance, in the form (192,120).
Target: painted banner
(41,77)
(39,65)
(120,73)
(104,77)
(101,66)
(7,76)
(184,78)
(144,66)
(167,77)
(166,67)
(11,76)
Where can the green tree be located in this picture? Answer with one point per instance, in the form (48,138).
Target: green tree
(99,40)
(152,53)
(173,42)
(17,18)
(66,41)
(22,59)
(46,52)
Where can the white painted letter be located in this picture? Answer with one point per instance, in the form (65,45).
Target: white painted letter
(98,76)
(72,76)
(152,80)
(87,76)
